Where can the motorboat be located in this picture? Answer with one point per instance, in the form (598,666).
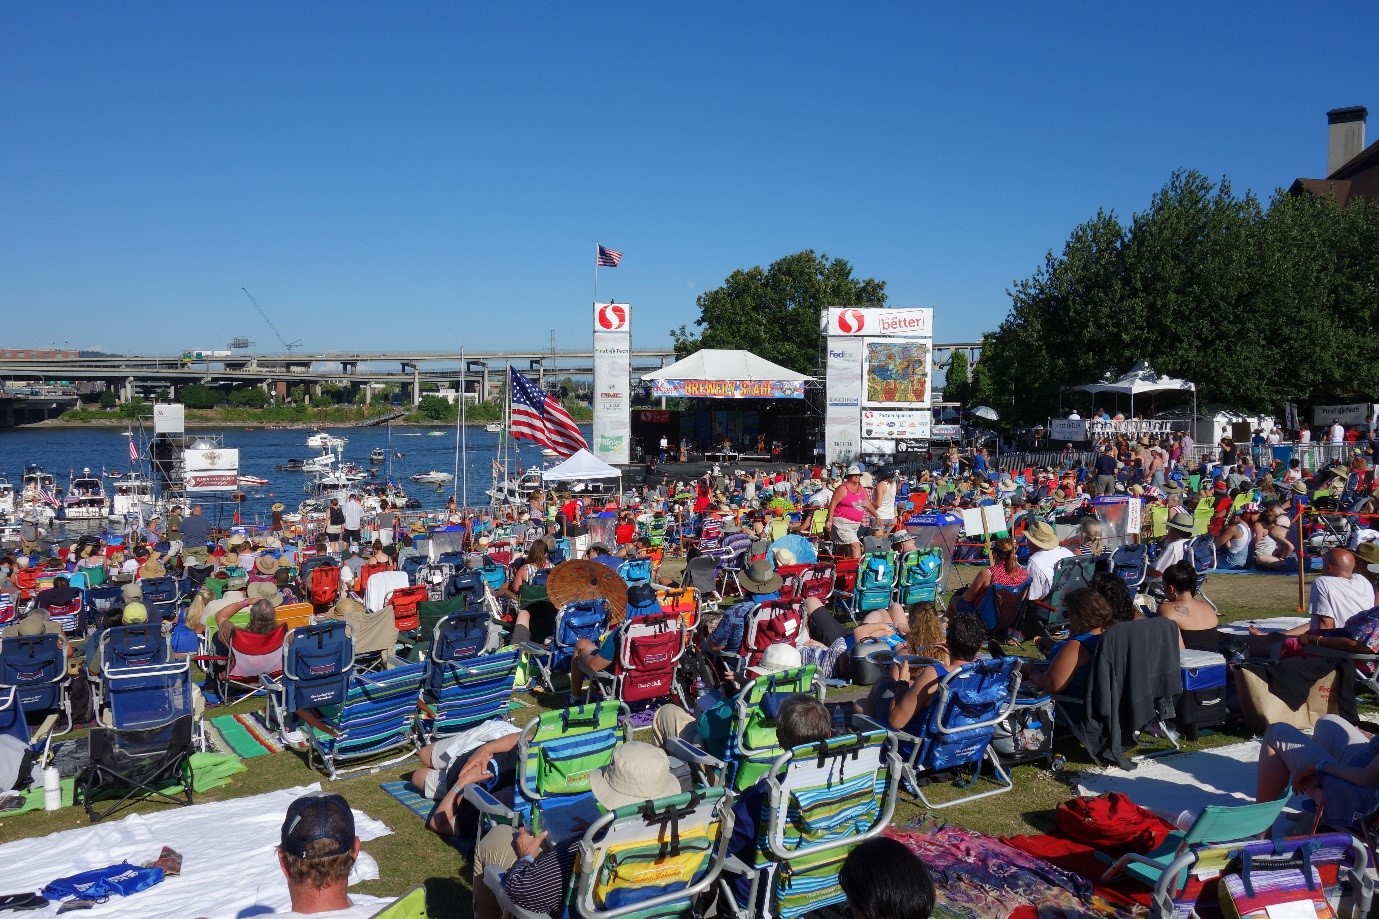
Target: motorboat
(133,497)
(257,481)
(435,433)
(516,491)
(323,441)
(377,455)
(292,465)
(38,493)
(494,427)
(434,477)
(6,497)
(86,498)
(323,463)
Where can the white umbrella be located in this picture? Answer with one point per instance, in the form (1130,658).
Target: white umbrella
(985,411)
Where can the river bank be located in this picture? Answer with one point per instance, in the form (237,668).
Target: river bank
(285,418)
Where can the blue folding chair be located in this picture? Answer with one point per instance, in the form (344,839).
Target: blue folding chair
(460,635)
(462,692)
(1130,563)
(12,721)
(317,666)
(145,749)
(583,619)
(160,596)
(36,666)
(921,574)
(136,645)
(636,571)
(100,602)
(955,730)
(378,716)
(876,580)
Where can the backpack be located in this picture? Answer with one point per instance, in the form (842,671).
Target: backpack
(919,575)
(325,585)
(876,570)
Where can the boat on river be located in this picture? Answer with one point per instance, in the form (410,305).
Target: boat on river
(323,441)
(6,497)
(434,477)
(86,498)
(134,497)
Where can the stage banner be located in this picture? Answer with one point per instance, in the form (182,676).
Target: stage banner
(728,389)
(1068,429)
(896,372)
(611,438)
(879,322)
(210,470)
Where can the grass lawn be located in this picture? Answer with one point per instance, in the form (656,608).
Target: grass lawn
(412,856)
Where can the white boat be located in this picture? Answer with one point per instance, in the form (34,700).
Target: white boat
(323,463)
(133,497)
(494,427)
(323,441)
(515,491)
(6,497)
(86,498)
(377,456)
(434,477)
(252,480)
(38,494)
(435,433)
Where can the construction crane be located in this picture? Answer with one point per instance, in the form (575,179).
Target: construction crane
(289,345)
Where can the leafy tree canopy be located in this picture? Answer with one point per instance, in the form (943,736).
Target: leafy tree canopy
(1256,305)
(774,312)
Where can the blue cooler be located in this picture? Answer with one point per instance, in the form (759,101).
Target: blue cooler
(1203,700)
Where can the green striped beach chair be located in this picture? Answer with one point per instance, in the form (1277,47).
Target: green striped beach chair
(751,744)
(822,800)
(378,717)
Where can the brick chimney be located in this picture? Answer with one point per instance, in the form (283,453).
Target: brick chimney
(1346,136)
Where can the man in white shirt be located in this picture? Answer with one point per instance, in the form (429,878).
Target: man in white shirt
(1305,436)
(1338,593)
(1046,557)
(354,520)
(1173,548)
(319,847)
(1337,433)
(1074,416)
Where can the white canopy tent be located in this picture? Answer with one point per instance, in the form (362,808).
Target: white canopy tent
(1139,379)
(716,364)
(582,466)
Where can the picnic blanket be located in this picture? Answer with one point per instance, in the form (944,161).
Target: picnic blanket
(229,867)
(209,770)
(245,734)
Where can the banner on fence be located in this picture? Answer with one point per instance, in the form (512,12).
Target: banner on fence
(1353,414)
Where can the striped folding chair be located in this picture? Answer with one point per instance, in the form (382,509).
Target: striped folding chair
(377,717)
(458,694)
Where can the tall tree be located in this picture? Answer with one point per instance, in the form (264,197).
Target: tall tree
(955,384)
(774,312)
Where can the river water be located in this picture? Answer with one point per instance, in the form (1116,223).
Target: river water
(61,451)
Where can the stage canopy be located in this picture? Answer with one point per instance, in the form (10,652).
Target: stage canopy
(721,374)
(580,465)
(1140,379)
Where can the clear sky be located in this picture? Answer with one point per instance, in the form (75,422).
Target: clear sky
(431,175)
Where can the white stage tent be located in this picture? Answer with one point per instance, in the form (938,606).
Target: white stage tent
(725,374)
(1139,379)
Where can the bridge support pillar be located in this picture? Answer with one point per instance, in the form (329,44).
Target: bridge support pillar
(416,385)
(368,394)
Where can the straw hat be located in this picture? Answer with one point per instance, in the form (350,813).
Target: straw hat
(1300,487)
(1041,535)
(759,578)
(266,590)
(278,506)
(266,564)
(1368,553)
(1181,522)
(637,772)
(785,557)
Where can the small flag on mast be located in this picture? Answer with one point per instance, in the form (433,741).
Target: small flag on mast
(607,258)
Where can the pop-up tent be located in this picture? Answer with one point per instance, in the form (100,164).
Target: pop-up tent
(1140,379)
(580,466)
(722,374)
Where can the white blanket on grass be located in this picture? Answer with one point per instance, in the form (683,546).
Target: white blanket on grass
(229,859)
(1169,785)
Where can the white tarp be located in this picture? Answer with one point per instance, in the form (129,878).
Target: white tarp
(1140,378)
(580,465)
(229,859)
(714,364)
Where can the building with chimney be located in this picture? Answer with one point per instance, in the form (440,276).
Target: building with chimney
(1352,170)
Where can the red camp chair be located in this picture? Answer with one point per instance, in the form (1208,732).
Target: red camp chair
(324,588)
(404,602)
(368,571)
(649,652)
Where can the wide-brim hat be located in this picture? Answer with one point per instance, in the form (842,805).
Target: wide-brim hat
(1368,554)
(1041,535)
(265,590)
(854,469)
(901,536)
(777,657)
(1182,522)
(759,578)
(266,564)
(1300,487)
(235,540)
(278,506)
(637,772)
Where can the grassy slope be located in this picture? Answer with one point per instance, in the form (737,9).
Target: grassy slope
(413,856)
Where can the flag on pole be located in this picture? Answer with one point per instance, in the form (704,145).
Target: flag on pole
(46,495)
(133,451)
(607,258)
(537,415)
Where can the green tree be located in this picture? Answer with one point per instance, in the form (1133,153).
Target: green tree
(955,383)
(249,397)
(437,408)
(774,312)
(198,395)
(108,399)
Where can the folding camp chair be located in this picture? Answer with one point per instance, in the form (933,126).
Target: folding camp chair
(377,716)
(814,581)
(1201,551)
(636,571)
(71,616)
(822,800)
(921,574)
(317,665)
(13,724)
(955,730)
(1130,563)
(649,652)
(145,750)
(160,597)
(9,610)
(999,608)
(322,584)
(653,858)
(250,658)
(750,746)
(366,574)
(404,601)
(383,582)
(294,615)
(556,753)
(36,666)
(411,905)
(845,569)
(584,619)
(701,575)
(682,601)
(1047,616)
(434,576)
(461,691)
(769,623)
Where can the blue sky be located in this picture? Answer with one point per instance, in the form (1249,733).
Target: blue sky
(431,175)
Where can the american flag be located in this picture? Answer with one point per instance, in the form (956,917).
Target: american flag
(537,415)
(133,451)
(608,258)
(46,495)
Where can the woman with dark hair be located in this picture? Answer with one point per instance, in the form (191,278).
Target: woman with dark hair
(1112,588)
(884,880)
(1005,570)
(1089,615)
(536,617)
(1195,617)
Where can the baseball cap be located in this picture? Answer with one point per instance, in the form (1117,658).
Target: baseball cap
(314,817)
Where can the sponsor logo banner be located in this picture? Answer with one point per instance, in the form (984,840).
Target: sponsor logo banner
(211,460)
(1358,413)
(212,481)
(612,426)
(880,321)
(612,317)
(899,425)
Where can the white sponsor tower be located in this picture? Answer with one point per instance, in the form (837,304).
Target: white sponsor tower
(877,376)
(612,432)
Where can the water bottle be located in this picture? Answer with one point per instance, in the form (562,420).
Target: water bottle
(52,789)
(839,722)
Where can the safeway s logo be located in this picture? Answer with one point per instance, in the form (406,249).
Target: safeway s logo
(851,321)
(612,317)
